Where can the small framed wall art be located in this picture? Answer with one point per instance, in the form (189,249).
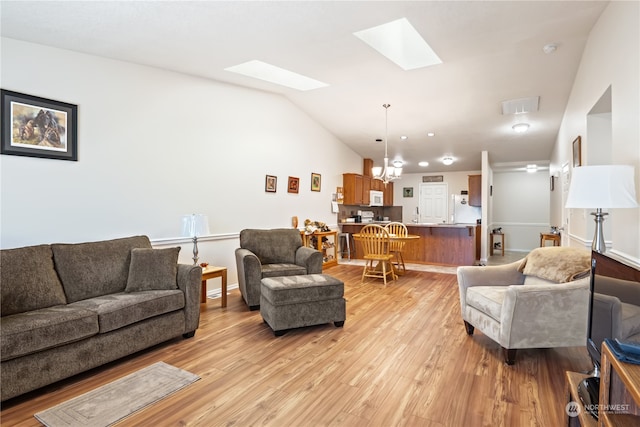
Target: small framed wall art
(270,184)
(294,184)
(38,127)
(407,192)
(577,152)
(315,181)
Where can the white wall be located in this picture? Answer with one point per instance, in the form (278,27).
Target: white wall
(611,58)
(456,182)
(154,145)
(520,205)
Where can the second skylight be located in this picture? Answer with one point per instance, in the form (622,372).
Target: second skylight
(400,43)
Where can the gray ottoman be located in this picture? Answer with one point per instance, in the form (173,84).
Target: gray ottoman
(295,301)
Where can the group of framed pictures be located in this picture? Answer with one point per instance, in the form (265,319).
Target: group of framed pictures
(293,184)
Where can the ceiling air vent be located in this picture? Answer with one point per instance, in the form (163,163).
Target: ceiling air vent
(521,105)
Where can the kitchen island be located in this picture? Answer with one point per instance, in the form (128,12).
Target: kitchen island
(442,244)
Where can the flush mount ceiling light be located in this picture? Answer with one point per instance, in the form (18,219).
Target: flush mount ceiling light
(388,173)
(532,168)
(400,43)
(431,134)
(270,73)
(447,160)
(520,127)
(423,164)
(550,48)
(404,137)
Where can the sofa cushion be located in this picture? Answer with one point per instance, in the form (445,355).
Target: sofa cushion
(274,270)
(118,310)
(487,299)
(272,246)
(630,320)
(28,280)
(153,269)
(92,269)
(38,330)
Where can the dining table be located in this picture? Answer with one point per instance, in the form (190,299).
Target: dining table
(393,238)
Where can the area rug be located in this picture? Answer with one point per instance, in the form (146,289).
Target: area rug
(112,402)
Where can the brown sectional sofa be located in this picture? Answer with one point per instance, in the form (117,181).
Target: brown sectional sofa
(67,308)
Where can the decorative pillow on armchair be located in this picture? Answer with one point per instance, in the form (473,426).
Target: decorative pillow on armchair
(557,263)
(153,269)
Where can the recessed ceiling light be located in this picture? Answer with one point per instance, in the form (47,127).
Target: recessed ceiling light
(431,134)
(270,73)
(550,48)
(447,160)
(400,43)
(404,137)
(520,127)
(423,164)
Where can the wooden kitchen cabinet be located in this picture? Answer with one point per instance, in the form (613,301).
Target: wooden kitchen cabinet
(475,190)
(388,194)
(366,188)
(377,185)
(353,190)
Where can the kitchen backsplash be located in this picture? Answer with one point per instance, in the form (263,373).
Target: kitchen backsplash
(347,211)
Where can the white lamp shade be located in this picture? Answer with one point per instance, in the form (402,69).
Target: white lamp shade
(195,225)
(606,186)
(376,170)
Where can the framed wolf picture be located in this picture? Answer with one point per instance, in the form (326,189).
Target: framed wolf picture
(38,127)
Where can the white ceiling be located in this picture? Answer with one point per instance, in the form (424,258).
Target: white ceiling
(491,52)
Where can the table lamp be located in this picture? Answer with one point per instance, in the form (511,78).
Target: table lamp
(601,187)
(194,226)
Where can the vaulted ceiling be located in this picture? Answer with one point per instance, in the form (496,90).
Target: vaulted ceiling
(490,51)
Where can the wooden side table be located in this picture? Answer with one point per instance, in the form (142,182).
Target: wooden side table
(555,238)
(500,237)
(210,272)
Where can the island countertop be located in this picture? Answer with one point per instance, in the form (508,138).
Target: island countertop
(444,244)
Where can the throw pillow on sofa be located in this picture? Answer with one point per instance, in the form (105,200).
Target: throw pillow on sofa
(28,280)
(153,269)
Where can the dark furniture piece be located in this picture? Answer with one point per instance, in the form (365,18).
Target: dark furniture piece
(272,253)
(68,308)
(296,301)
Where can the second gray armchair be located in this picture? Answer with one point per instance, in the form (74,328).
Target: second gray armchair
(272,253)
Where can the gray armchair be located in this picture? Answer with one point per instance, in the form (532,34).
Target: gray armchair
(272,253)
(541,301)
(616,310)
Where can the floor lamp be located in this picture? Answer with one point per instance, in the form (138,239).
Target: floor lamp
(194,226)
(601,187)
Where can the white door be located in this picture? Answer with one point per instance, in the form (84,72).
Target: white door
(434,199)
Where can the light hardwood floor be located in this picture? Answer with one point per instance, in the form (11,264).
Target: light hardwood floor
(402,358)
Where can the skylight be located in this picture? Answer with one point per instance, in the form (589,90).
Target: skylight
(280,76)
(400,43)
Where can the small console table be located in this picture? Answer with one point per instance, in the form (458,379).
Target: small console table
(209,272)
(555,238)
(495,237)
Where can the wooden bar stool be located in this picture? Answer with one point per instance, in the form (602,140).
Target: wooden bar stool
(555,238)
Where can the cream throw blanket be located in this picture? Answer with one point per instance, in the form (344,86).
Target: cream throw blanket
(557,263)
